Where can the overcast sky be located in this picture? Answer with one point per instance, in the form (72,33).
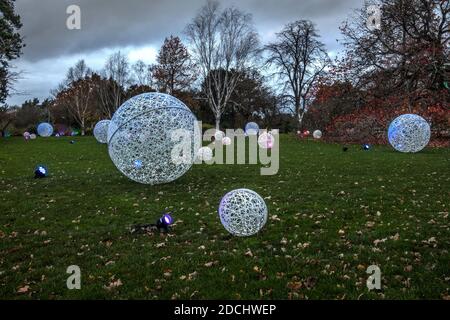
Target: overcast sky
(138,28)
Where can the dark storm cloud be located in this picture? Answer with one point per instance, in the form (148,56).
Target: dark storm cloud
(115,23)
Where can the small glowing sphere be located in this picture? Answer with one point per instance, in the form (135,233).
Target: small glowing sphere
(33,136)
(167,218)
(266,140)
(317,134)
(219,135)
(409,133)
(26,135)
(226,141)
(160,131)
(40,172)
(45,129)
(205,154)
(101,131)
(243,212)
(251,128)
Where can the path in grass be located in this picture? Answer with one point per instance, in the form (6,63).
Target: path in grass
(331,215)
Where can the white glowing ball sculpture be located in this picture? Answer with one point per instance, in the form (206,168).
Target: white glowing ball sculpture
(33,136)
(409,133)
(226,141)
(152,138)
(243,212)
(317,134)
(101,131)
(45,129)
(219,135)
(205,154)
(251,128)
(266,140)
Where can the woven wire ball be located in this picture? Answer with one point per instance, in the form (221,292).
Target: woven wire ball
(317,134)
(101,131)
(251,128)
(409,133)
(243,212)
(45,129)
(141,132)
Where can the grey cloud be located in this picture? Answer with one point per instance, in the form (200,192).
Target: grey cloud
(111,24)
(115,23)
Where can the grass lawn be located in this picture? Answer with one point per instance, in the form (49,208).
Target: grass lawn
(331,215)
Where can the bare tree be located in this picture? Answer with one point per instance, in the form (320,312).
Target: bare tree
(406,53)
(7,116)
(299,59)
(76,99)
(77,72)
(117,73)
(142,73)
(222,42)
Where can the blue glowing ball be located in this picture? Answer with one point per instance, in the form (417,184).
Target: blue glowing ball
(251,128)
(366,147)
(409,133)
(45,129)
(167,219)
(40,171)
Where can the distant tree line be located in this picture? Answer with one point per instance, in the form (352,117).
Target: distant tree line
(227,77)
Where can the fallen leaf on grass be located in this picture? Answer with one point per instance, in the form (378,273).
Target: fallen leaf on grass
(114,284)
(211,263)
(24,289)
(249,253)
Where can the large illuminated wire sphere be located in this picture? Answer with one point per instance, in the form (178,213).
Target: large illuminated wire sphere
(152,138)
(409,133)
(251,128)
(45,129)
(205,154)
(317,134)
(101,131)
(243,212)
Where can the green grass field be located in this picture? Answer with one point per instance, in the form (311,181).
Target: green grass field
(331,215)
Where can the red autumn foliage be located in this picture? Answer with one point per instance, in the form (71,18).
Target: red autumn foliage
(370,123)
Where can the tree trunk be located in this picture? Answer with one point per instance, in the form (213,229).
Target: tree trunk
(217,122)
